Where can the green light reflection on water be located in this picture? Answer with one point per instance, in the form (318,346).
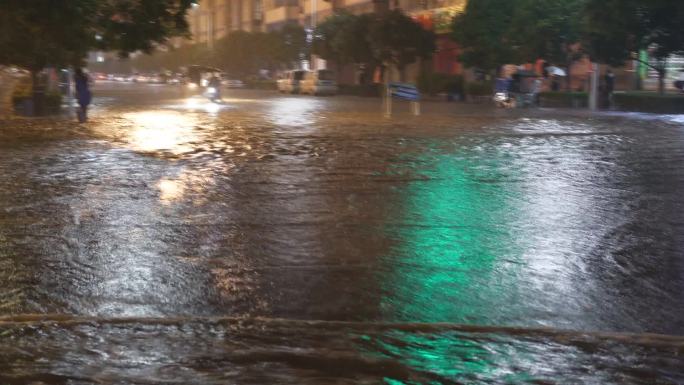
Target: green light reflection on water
(451,263)
(455,253)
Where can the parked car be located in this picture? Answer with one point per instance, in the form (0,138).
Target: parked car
(319,82)
(233,83)
(154,79)
(290,81)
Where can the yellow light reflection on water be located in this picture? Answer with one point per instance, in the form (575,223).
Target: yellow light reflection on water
(294,111)
(161,131)
(190,185)
(170,190)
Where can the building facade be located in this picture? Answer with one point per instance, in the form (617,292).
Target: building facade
(211,20)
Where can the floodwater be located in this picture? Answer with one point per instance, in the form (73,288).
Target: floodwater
(301,240)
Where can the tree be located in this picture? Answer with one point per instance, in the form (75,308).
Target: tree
(482,32)
(396,39)
(616,30)
(391,38)
(293,44)
(35,34)
(330,37)
(343,39)
(38,33)
(354,49)
(236,53)
(243,53)
(547,29)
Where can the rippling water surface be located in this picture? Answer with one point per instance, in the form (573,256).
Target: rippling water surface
(308,240)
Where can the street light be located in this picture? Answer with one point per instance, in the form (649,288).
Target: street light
(314,59)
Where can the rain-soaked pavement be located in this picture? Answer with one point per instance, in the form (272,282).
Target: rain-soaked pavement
(300,240)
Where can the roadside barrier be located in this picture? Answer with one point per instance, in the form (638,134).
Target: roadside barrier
(403,91)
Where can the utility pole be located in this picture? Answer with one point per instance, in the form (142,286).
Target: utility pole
(593,95)
(314,58)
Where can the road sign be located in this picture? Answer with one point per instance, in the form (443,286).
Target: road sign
(404,91)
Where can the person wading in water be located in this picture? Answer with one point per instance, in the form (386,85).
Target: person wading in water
(83,95)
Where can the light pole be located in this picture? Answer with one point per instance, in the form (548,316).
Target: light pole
(314,21)
(313,32)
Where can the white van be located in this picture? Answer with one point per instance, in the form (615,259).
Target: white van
(319,82)
(290,82)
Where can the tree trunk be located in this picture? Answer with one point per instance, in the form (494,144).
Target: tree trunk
(661,77)
(568,78)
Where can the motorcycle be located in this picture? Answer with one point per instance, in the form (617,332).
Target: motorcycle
(503,99)
(213,94)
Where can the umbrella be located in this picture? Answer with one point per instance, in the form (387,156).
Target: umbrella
(555,71)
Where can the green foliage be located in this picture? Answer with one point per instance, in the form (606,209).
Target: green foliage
(608,30)
(397,39)
(545,29)
(617,29)
(391,38)
(336,39)
(649,102)
(38,33)
(130,25)
(481,32)
(240,53)
(243,53)
(496,32)
(293,46)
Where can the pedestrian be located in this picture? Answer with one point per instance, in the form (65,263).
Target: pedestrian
(83,95)
(679,83)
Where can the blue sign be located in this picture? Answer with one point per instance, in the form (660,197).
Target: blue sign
(404,91)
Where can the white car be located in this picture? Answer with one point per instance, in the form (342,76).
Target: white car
(319,82)
(289,84)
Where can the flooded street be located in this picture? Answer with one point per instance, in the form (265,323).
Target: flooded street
(302,240)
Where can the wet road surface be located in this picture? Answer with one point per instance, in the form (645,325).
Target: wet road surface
(292,239)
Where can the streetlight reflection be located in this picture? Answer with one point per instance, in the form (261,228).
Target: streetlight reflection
(162,130)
